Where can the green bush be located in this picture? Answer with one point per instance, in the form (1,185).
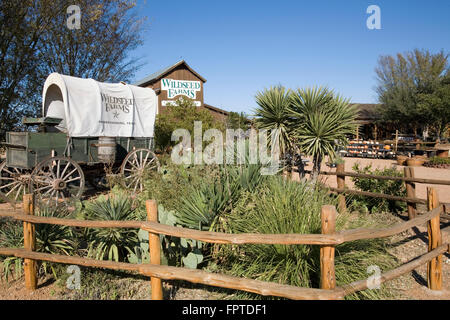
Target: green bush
(439,160)
(181,115)
(174,182)
(389,187)
(281,207)
(111,243)
(53,239)
(203,206)
(11,236)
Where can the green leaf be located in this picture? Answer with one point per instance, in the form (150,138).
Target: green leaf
(191,260)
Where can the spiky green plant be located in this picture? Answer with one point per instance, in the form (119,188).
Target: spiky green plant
(321,120)
(273,115)
(11,236)
(203,206)
(282,207)
(111,243)
(53,239)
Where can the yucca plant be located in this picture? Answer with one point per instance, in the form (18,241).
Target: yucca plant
(53,239)
(11,236)
(273,115)
(321,120)
(111,243)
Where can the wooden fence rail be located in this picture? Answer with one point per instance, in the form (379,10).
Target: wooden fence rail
(327,240)
(408,178)
(371,176)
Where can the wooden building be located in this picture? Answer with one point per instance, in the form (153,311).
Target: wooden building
(180,81)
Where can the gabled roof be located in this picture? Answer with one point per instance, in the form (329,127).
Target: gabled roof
(215,109)
(161,73)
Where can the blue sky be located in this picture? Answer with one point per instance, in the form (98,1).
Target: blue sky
(242,47)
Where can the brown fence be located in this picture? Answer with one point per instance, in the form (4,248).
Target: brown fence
(327,240)
(408,178)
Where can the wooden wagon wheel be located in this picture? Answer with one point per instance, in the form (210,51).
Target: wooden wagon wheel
(57,180)
(13,182)
(134,166)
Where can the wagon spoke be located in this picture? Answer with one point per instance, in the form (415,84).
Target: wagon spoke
(68,175)
(9,184)
(43,188)
(13,188)
(6,178)
(18,193)
(8,171)
(65,168)
(57,168)
(74,179)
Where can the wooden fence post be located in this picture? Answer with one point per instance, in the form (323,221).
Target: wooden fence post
(340,168)
(434,267)
(155,249)
(410,191)
(327,274)
(29,243)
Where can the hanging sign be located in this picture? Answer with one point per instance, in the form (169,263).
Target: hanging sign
(180,87)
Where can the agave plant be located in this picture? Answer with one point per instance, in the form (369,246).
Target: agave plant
(321,120)
(111,243)
(203,206)
(11,236)
(53,239)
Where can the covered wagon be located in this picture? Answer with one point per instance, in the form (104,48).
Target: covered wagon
(86,126)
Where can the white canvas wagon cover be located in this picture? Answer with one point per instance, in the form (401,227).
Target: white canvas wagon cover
(92,109)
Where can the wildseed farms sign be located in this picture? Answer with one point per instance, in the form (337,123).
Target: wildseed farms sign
(180,87)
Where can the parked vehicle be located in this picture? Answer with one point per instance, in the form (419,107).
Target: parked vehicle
(86,126)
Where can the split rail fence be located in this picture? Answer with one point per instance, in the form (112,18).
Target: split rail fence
(408,178)
(327,240)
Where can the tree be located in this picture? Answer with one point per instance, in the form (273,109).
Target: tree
(110,29)
(237,120)
(181,115)
(22,25)
(320,121)
(403,80)
(35,41)
(436,106)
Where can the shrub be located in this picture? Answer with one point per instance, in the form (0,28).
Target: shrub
(389,187)
(174,182)
(204,205)
(283,207)
(439,160)
(53,239)
(11,236)
(111,243)
(181,115)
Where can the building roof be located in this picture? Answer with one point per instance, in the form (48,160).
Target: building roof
(215,109)
(161,73)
